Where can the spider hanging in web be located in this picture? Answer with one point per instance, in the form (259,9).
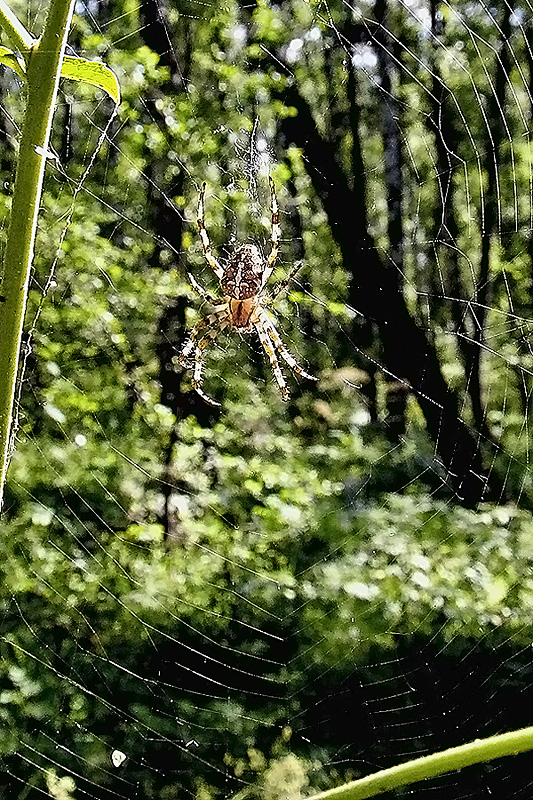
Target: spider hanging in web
(243,307)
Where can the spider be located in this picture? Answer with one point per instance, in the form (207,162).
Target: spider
(243,306)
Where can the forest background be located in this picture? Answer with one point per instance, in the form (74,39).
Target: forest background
(202,601)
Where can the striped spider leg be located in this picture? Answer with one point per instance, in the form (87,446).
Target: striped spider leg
(271,353)
(266,323)
(211,334)
(205,324)
(199,338)
(211,298)
(206,244)
(275,236)
(214,323)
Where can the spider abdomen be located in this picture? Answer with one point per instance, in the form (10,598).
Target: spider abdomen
(243,275)
(241,311)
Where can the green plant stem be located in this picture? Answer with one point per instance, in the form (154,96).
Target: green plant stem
(44,69)
(17,33)
(481,750)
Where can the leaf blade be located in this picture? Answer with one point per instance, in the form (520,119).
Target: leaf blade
(92,72)
(9,59)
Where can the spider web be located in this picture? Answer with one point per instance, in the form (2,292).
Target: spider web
(268,599)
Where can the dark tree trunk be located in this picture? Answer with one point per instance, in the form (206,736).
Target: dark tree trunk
(182,404)
(392,147)
(446,227)
(155,34)
(166,220)
(167,223)
(496,132)
(397,392)
(373,291)
(529,58)
(364,331)
(446,230)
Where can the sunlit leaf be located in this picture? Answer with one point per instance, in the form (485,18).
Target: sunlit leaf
(9,59)
(74,68)
(93,72)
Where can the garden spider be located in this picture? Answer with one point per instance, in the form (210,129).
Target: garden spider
(242,281)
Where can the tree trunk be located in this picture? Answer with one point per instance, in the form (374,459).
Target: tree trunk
(373,291)
(496,131)
(529,58)
(167,223)
(397,391)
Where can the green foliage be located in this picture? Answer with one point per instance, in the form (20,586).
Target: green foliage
(297,541)
(414,565)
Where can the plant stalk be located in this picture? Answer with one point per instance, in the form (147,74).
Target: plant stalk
(476,752)
(44,69)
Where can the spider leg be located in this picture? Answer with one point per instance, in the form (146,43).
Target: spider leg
(197,379)
(198,361)
(278,344)
(276,234)
(211,298)
(206,244)
(220,325)
(282,285)
(209,322)
(271,353)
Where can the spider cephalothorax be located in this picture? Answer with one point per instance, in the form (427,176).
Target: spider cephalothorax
(243,306)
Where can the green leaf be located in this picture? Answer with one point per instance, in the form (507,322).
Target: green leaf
(9,59)
(93,72)
(74,68)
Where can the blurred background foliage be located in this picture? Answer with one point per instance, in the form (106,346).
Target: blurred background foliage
(266,599)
